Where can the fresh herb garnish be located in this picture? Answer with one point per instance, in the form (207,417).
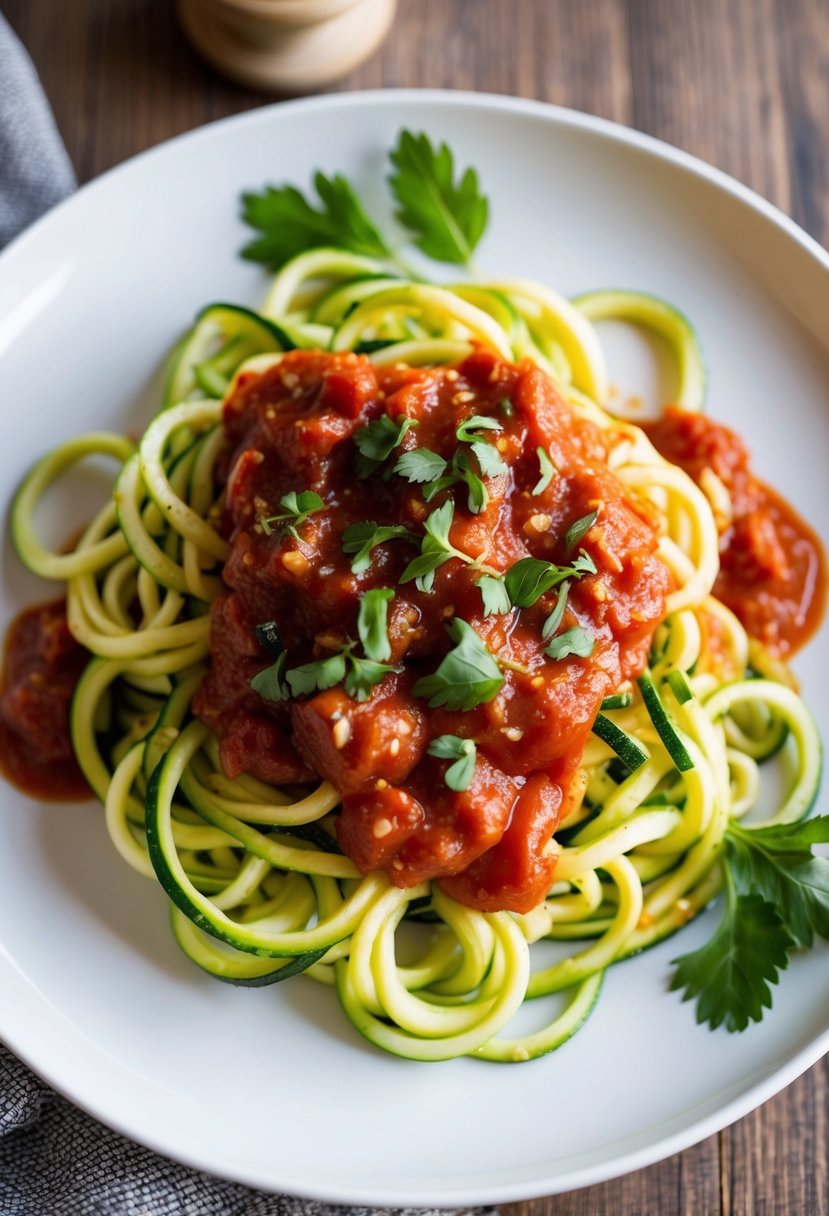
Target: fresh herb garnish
(530,578)
(297,509)
(461,471)
(489,458)
(467,676)
(372,623)
(377,440)
(270,683)
(555,618)
(447,217)
(358,676)
(290,225)
(420,466)
(435,549)
(494,595)
(361,539)
(548,470)
(577,531)
(458,776)
(576,641)
(469,430)
(777,898)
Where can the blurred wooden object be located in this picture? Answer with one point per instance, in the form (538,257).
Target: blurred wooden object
(743,84)
(286,45)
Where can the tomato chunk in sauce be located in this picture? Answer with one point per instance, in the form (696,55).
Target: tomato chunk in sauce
(292,428)
(772,565)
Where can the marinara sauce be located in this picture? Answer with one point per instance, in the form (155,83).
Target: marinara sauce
(292,428)
(42,666)
(772,564)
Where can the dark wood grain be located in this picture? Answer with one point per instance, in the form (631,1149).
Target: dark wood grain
(743,84)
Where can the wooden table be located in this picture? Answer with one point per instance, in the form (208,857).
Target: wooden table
(743,84)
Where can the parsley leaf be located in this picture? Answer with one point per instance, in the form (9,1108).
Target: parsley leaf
(377,440)
(469,430)
(317,676)
(584,564)
(461,471)
(489,458)
(528,579)
(290,225)
(270,683)
(467,676)
(372,623)
(555,618)
(420,465)
(448,218)
(777,863)
(361,539)
(730,975)
(435,549)
(548,470)
(494,594)
(458,776)
(576,641)
(577,531)
(297,509)
(363,674)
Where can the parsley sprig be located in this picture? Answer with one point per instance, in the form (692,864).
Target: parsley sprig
(288,224)
(444,210)
(776,899)
(356,673)
(298,506)
(447,216)
(435,549)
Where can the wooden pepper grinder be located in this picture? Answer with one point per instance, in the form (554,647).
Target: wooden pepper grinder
(286,46)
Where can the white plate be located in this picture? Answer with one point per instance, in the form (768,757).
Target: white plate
(272,1087)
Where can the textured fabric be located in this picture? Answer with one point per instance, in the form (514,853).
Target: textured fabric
(57,1161)
(35,172)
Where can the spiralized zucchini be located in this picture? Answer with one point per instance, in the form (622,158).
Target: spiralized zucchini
(258,889)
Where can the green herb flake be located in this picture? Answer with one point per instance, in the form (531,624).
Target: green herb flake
(466,677)
(469,430)
(576,641)
(270,683)
(555,618)
(420,466)
(362,539)
(494,595)
(548,471)
(377,440)
(458,776)
(577,531)
(372,623)
(298,506)
(489,459)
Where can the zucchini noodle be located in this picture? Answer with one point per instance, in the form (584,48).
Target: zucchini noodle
(258,889)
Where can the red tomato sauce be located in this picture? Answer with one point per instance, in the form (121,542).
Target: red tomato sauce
(772,565)
(43,664)
(292,428)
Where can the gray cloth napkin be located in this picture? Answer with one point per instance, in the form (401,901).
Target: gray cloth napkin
(35,172)
(54,1159)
